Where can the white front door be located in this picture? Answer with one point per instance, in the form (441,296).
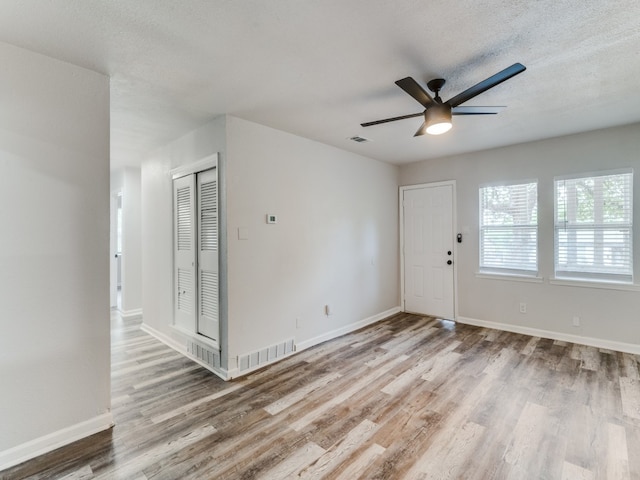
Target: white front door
(428,250)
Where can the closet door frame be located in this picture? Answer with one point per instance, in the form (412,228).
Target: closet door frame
(207,163)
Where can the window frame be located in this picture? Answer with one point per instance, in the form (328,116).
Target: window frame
(525,273)
(561,225)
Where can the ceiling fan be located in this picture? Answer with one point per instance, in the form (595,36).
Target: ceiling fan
(437,114)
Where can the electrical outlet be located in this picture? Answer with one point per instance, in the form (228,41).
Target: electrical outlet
(576,321)
(523,307)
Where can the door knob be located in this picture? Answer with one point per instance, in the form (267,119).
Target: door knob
(449,262)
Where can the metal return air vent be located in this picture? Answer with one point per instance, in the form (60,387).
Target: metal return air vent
(359,139)
(205,353)
(270,354)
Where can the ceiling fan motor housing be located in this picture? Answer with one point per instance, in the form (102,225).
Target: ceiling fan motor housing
(438,119)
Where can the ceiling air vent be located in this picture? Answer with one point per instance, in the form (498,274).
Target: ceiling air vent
(359,139)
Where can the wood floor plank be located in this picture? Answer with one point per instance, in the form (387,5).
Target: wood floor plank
(632,430)
(334,455)
(406,437)
(85,473)
(589,356)
(345,394)
(442,365)
(499,363)
(629,366)
(402,343)
(359,466)
(412,374)
(574,472)
(300,394)
(167,376)
(588,439)
(447,459)
(630,392)
(168,357)
(196,403)
(291,466)
(136,465)
(617,453)
(528,434)
(531,346)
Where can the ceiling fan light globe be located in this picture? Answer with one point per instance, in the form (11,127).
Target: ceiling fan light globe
(438,119)
(439,128)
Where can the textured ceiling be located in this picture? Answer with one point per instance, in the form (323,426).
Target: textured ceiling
(320,68)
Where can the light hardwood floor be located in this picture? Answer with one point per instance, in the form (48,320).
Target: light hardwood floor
(407,398)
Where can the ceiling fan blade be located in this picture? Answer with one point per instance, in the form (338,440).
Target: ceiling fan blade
(476,110)
(486,84)
(422,130)
(393,119)
(412,87)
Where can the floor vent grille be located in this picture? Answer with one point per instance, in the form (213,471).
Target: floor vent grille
(250,361)
(205,353)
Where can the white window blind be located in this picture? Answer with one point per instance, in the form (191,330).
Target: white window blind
(509,229)
(593,227)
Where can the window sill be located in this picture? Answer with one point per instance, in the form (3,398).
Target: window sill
(510,277)
(629,287)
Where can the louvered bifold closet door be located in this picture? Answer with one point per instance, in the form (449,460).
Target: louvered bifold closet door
(184,244)
(208,317)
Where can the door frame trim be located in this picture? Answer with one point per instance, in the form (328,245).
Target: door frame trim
(454,220)
(210,161)
(207,163)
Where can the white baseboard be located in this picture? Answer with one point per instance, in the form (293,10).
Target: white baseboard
(236,372)
(565,337)
(182,349)
(131,314)
(52,441)
(346,329)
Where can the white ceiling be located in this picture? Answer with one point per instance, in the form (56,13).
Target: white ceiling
(320,68)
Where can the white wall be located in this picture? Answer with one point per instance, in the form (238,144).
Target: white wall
(335,241)
(131,242)
(115,189)
(54,247)
(610,315)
